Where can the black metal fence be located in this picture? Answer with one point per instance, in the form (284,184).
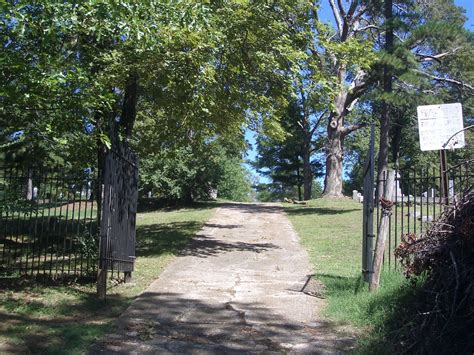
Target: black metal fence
(419,201)
(48,222)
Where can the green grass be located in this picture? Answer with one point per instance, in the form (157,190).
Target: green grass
(331,232)
(67,319)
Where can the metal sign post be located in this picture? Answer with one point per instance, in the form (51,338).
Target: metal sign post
(444,176)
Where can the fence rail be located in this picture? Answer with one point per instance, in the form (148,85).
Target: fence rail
(48,222)
(419,202)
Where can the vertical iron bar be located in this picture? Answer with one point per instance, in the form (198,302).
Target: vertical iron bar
(65,226)
(397,184)
(421,201)
(415,209)
(409,202)
(48,223)
(57,221)
(434,196)
(72,254)
(17,223)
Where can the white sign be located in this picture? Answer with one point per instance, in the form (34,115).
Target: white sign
(439,123)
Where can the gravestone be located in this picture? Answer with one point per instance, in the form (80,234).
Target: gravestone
(451,188)
(431,193)
(355,195)
(398,190)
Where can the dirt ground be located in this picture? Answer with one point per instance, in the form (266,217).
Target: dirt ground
(242,286)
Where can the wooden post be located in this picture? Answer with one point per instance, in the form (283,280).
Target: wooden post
(383,231)
(102,284)
(368,210)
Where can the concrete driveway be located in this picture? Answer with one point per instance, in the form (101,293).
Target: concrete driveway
(242,286)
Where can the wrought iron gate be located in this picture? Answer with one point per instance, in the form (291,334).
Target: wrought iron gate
(368,236)
(119,209)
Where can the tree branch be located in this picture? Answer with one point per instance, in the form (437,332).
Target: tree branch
(341,8)
(337,15)
(349,129)
(352,9)
(364,28)
(437,57)
(446,80)
(318,122)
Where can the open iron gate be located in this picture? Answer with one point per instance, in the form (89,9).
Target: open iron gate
(119,209)
(368,236)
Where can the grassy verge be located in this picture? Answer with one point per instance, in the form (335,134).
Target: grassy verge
(66,319)
(331,232)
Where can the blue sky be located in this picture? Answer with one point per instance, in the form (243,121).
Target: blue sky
(326,15)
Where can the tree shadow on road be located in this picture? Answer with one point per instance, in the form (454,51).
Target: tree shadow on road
(172,322)
(203,246)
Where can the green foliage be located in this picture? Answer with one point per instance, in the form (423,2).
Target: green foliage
(205,67)
(234,182)
(282,159)
(187,172)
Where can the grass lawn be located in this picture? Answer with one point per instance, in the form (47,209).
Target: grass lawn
(331,231)
(66,319)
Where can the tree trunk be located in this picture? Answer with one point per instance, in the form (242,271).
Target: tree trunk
(307,174)
(300,196)
(387,88)
(382,164)
(129,106)
(396,138)
(333,177)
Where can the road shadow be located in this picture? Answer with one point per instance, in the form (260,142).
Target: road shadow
(254,207)
(222,226)
(203,246)
(172,322)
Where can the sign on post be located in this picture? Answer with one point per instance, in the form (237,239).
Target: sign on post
(440,126)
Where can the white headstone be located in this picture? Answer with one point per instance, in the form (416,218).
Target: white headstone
(451,188)
(398,190)
(355,195)
(213,194)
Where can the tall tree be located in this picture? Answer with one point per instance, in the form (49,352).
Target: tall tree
(290,162)
(347,54)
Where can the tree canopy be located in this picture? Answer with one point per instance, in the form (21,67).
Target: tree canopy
(178,79)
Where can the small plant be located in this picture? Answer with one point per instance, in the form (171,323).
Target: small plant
(88,246)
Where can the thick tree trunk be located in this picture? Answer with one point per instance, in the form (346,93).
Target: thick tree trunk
(334,152)
(333,177)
